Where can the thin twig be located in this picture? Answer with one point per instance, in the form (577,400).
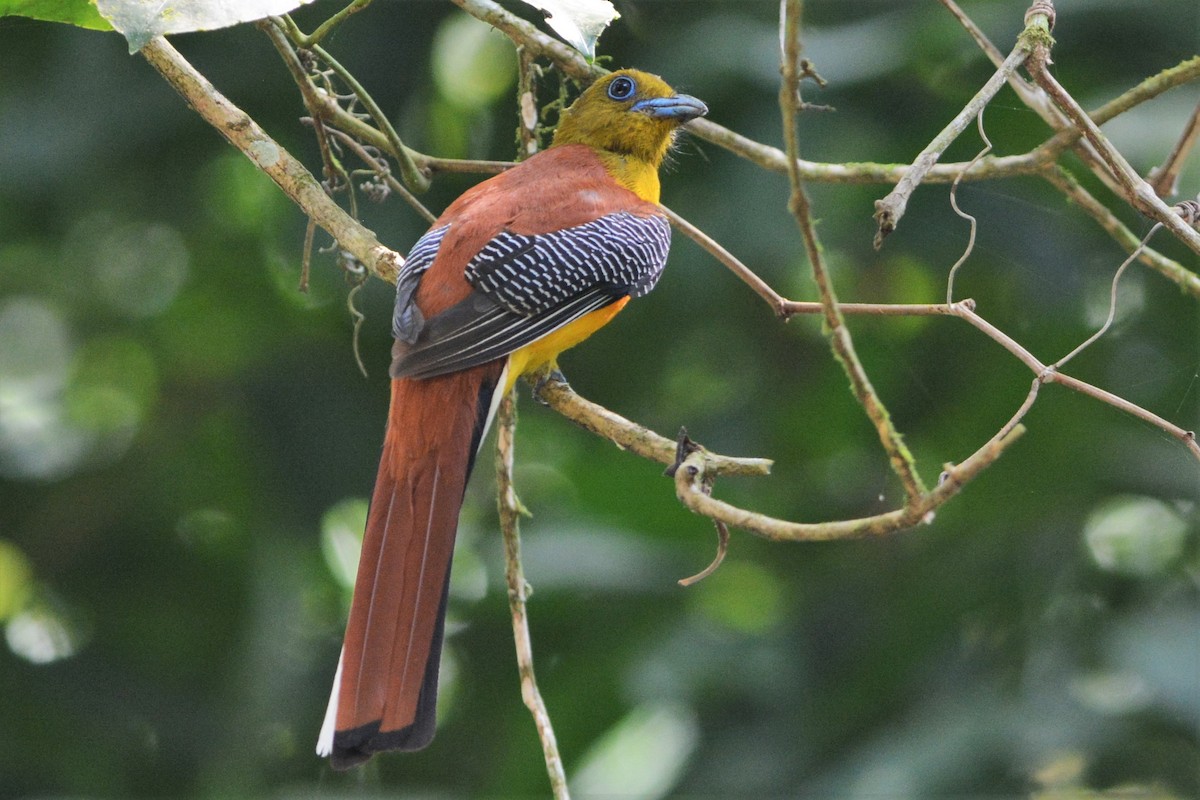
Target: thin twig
(325,107)
(1188,438)
(760,287)
(518,590)
(316,37)
(793,307)
(722,549)
(380,168)
(635,438)
(1168,268)
(775,160)
(277,163)
(416,180)
(1133,188)
(1047,374)
(463,165)
(839,335)
(518,593)
(970,218)
(1000,337)
(965,310)
(1068,135)
(1165,178)
(890,209)
(691,475)
(312,99)
(782,307)
(1112,304)
(310,228)
(359,318)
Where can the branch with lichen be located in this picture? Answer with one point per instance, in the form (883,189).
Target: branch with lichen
(1170,269)
(1136,191)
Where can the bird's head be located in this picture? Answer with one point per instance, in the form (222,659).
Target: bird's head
(630,113)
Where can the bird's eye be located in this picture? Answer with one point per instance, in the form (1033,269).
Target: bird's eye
(621,88)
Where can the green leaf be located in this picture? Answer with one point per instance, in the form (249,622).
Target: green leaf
(139,21)
(341,538)
(473,65)
(1136,536)
(80,13)
(16,579)
(578,22)
(642,756)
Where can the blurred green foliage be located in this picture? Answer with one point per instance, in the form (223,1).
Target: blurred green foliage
(186,443)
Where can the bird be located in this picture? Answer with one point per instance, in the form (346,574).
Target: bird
(519,268)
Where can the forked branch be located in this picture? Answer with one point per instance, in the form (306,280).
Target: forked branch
(792,71)
(269,156)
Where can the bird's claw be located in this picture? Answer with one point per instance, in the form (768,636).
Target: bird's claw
(553,375)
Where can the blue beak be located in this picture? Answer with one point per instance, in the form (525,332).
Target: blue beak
(680,107)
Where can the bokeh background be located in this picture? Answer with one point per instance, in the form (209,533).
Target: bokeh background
(186,443)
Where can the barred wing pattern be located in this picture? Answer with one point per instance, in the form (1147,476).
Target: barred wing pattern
(527,274)
(528,286)
(407,321)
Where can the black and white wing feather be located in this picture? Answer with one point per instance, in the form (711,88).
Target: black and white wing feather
(408,320)
(526,287)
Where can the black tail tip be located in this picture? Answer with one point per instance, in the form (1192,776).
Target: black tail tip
(356,746)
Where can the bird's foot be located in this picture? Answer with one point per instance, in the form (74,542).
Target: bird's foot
(551,375)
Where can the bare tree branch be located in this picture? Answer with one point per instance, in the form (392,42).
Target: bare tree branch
(839,335)
(1133,188)
(510,510)
(1165,178)
(703,466)
(1168,268)
(690,478)
(288,173)
(638,440)
(890,209)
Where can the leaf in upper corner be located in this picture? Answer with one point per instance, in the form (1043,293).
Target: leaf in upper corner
(578,22)
(80,13)
(141,20)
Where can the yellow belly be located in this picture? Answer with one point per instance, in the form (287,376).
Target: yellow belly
(544,351)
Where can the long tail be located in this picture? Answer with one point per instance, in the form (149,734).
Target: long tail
(385,691)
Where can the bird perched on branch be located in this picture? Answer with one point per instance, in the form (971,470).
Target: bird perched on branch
(517,269)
